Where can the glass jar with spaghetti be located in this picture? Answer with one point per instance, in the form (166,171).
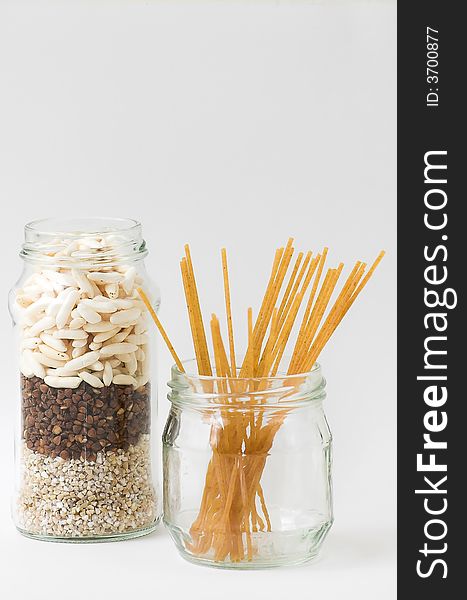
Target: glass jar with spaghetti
(247,468)
(84,447)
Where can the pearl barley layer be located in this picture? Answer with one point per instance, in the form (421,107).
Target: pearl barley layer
(78,498)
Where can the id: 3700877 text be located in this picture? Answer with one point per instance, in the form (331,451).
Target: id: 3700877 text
(432,73)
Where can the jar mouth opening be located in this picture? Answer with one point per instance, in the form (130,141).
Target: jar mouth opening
(78,227)
(282,376)
(212,391)
(83,242)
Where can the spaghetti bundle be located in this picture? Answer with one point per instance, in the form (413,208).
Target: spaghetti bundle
(233,505)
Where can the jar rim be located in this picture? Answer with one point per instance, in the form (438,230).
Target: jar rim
(189,388)
(107,225)
(280,376)
(47,240)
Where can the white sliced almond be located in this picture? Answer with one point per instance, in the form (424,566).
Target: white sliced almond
(79,343)
(142,380)
(103,278)
(77,323)
(100,306)
(124,380)
(129,280)
(123,316)
(97,366)
(123,303)
(118,337)
(58,278)
(139,354)
(71,334)
(63,382)
(41,325)
(99,327)
(78,352)
(53,342)
(108,374)
(62,372)
(140,339)
(83,282)
(131,364)
(30,343)
(48,351)
(47,361)
(140,326)
(88,313)
(106,335)
(120,348)
(35,366)
(82,361)
(66,308)
(91,379)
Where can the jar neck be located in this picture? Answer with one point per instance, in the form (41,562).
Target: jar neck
(281,391)
(83,243)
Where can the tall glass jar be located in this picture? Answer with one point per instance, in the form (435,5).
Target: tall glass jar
(83,447)
(247,469)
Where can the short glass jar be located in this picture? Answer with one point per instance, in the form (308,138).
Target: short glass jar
(247,469)
(84,448)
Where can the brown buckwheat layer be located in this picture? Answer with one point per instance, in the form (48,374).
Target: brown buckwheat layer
(79,423)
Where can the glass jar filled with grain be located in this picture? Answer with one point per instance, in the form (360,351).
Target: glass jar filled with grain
(83,448)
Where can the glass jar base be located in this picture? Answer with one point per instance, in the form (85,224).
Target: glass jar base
(113,537)
(272,549)
(252,565)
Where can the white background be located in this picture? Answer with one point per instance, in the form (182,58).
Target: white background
(216,123)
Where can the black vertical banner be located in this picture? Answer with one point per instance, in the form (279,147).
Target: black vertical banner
(432,242)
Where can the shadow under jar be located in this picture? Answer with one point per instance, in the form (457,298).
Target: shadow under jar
(247,469)
(84,448)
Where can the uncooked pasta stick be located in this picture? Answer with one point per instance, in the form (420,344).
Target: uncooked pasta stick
(347,290)
(161,329)
(277,258)
(290,284)
(314,353)
(283,315)
(228,310)
(262,325)
(306,316)
(316,315)
(198,315)
(283,339)
(191,315)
